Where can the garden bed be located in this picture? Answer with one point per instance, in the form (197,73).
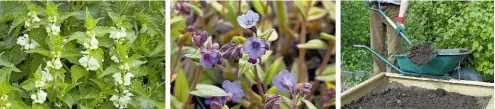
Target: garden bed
(390,90)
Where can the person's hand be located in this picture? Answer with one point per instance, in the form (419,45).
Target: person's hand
(400,25)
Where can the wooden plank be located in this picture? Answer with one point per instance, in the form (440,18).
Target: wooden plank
(362,89)
(471,88)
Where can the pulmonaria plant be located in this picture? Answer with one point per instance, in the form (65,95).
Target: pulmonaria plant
(234,91)
(210,55)
(248,20)
(285,81)
(255,48)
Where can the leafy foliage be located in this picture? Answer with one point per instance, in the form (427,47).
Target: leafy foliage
(74,86)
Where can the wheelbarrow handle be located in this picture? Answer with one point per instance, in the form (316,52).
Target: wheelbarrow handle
(381,58)
(402,35)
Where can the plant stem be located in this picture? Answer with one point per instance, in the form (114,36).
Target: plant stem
(259,85)
(196,79)
(324,63)
(176,59)
(294,101)
(239,14)
(302,51)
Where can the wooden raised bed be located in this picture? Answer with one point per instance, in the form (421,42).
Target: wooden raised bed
(471,88)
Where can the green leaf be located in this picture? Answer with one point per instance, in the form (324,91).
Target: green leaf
(198,11)
(309,104)
(4,82)
(280,9)
(28,85)
(272,90)
(175,103)
(238,40)
(206,90)
(330,38)
(277,66)
(270,35)
(77,72)
(259,6)
(313,44)
(90,23)
(327,78)
(102,30)
(181,92)
(6,63)
(110,70)
(316,13)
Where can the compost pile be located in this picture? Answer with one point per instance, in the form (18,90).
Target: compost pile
(397,96)
(421,54)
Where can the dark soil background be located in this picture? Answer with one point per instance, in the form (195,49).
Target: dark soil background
(397,96)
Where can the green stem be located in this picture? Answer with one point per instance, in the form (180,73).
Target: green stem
(196,79)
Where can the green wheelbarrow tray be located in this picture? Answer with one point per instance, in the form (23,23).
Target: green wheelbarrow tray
(443,63)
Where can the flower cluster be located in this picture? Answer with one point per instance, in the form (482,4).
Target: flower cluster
(233,90)
(286,82)
(126,81)
(121,101)
(210,55)
(26,43)
(6,104)
(53,29)
(93,42)
(39,97)
(89,62)
(119,35)
(34,19)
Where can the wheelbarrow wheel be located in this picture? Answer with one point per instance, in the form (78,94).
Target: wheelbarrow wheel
(465,73)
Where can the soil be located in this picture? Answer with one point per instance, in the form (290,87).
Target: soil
(421,54)
(397,96)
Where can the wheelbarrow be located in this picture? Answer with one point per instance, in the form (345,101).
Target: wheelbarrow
(446,61)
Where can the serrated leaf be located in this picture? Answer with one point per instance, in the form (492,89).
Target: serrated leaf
(206,90)
(4,82)
(181,92)
(109,70)
(313,44)
(77,72)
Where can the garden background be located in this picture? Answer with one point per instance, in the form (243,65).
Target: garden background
(461,24)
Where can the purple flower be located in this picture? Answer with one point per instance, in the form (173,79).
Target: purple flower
(328,95)
(248,20)
(254,47)
(231,51)
(233,89)
(199,38)
(215,102)
(274,101)
(182,7)
(210,58)
(303,89)
(285,81)
(189,20)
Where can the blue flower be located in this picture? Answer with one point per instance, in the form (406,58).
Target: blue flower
(233,89)
(285,81)
(254,47)
(248,20)
(210,58)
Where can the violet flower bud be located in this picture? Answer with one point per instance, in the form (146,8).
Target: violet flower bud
(203,4)
(189,20)
(199,38)
(182,7)
(248,20)
(328,95)
(285,81)
(233,89)
(303,89)
(252,61)
(254,47)
(231,51)
(274,101)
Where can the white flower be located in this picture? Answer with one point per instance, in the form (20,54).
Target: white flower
(24,41)
(121,101)
(46,75)
(55,63)
(118,78)
(94,43)
(127,79)
(118,34)
(40,97)
(36,19)
(52,19)
(248,20)
(89,62)
(53,29)
(124,67)
(27,24)
(115,59)
(4,98)
(39,83)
